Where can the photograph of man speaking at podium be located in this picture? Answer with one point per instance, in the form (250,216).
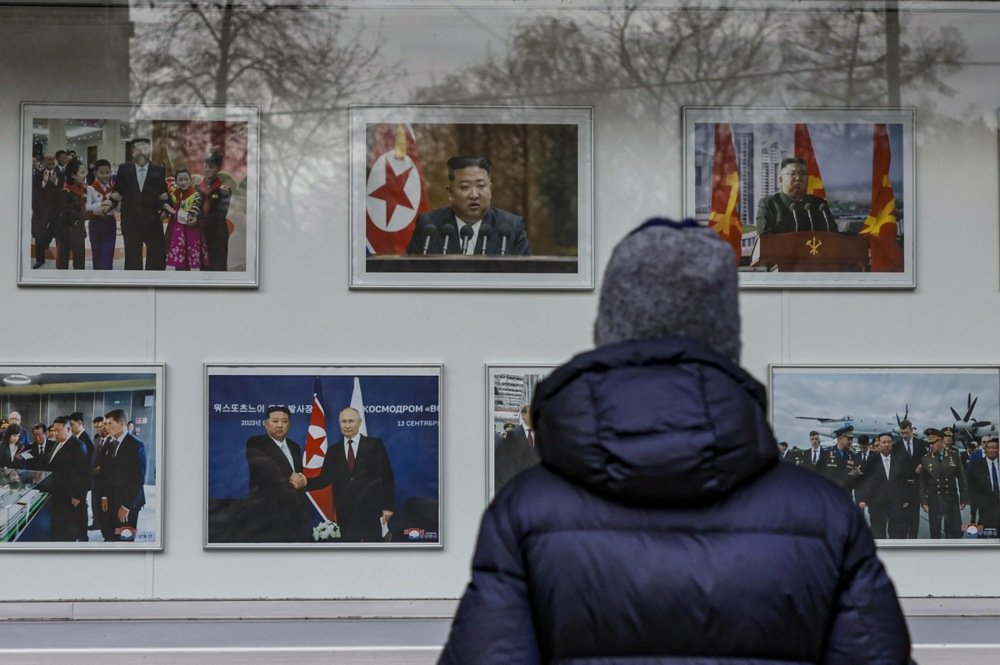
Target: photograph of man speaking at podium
(471,198)
(70,488)
(323,456)
(806,198)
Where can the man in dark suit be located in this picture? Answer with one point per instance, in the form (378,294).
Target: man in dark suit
(141,187)
(122,473)
(914,449)
(812,457)
(469,225)
(46,188)
(984,484)
(67,485)
(883,488)
(76,427)
(364,488)
(277,509)
(515,452)
(39,448)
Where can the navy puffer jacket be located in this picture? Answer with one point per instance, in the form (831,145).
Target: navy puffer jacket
(661,528)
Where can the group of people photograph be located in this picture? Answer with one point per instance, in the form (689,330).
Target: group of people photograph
(175,220)
(910,486)
(94,481)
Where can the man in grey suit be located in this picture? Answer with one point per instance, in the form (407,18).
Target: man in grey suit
(469,225)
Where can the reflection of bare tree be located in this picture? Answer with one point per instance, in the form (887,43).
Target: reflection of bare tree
(859,57)
(652,61)
(300,65)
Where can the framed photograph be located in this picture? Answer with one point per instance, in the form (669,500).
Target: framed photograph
(158,196)
(510,435)
(808,198)
(323,456)
(912,445)
(459,197)
(81,457)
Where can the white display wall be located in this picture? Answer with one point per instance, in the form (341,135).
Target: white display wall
(305,312)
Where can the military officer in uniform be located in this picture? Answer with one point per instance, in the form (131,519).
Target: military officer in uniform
(943,489)
(840,464)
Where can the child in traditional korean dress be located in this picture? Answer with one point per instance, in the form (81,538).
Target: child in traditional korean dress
(186,248)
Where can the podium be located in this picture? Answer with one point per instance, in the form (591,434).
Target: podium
(813,251)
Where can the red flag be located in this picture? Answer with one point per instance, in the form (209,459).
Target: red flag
(804,150)
(395,190)
(725,215)
(881,225)
(315,454)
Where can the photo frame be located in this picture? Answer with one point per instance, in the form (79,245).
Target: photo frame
(89,491)
(204,234)
(509,447)
(533,201)
(847,219)
(817,402)
(385,494)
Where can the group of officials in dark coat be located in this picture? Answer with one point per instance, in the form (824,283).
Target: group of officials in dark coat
(111,466)
(898,477)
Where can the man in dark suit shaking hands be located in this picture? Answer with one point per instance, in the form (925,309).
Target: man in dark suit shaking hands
(141,187)
(469,225)
(364,489)
(277,510)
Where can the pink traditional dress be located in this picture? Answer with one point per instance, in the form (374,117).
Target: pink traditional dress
(186,248)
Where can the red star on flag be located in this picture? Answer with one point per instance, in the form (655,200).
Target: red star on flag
(393,191)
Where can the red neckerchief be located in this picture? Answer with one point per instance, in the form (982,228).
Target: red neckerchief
(79,190)
(102,189)
(206,189)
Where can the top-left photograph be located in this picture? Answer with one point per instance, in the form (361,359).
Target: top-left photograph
(128,195)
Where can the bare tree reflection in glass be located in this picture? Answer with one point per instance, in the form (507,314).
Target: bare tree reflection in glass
(301,65)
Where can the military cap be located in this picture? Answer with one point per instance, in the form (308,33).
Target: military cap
(948,431)
(932,433)
(846,430)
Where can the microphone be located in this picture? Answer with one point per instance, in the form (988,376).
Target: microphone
(505,233)
(430,232)
(809,215)
(450,232)
(485,233)
(467,234)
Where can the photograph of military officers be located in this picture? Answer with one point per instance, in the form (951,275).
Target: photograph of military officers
(915,447)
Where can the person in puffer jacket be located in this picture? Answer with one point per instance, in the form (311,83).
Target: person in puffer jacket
(660,526)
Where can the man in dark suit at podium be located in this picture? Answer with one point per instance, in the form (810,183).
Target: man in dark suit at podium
(141,187)
(469,224)
(792,209)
